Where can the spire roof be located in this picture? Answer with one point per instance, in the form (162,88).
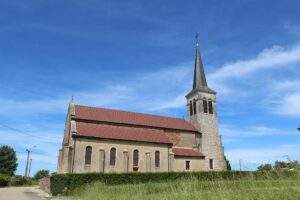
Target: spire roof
(199,75)
(199,83)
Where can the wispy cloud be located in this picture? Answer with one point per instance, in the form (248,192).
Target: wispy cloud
(277,57)
(289,105)
(285,98)
(267,59)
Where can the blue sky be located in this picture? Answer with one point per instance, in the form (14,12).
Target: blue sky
(138,56)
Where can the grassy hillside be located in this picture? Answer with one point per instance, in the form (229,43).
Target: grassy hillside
(191,188)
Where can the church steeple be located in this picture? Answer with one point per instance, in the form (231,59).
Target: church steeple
(199,74)
(199,82)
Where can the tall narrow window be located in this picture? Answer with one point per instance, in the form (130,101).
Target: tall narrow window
(135,158)
(211,163)
(157,159)
(194,106)
(204,106)
(210,107)
(88,155)
(191,108)
(112,160)
(187,165)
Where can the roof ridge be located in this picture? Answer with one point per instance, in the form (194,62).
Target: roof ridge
(124,111)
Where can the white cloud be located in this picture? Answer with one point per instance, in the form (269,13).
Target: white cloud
(277,57)
(289,105)
(268,59)
(284,98)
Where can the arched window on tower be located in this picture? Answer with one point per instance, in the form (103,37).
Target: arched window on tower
(88,155)
(194,106)
(157,159)
(210,107)
(204,106)
(191,108)
(112,160)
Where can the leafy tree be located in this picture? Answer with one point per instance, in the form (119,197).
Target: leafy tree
(280,165)
(265,167)
(41,174)
(227,164)
(8,160)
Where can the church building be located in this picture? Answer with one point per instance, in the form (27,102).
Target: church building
(115,141)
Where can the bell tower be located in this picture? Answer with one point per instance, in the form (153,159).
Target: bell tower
(201,111)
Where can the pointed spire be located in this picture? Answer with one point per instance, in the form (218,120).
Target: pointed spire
(199,75)
(72,100)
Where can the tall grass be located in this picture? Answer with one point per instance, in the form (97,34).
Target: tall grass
(192,188)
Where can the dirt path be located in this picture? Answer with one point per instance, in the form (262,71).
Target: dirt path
(22,193)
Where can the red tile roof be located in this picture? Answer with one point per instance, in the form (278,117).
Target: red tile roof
(189,152)
(131,118)
(121,133)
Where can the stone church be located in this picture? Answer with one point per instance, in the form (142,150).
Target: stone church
(108,140)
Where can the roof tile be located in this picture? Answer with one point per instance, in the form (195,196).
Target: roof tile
(121,133)
(189,152)
(132,118)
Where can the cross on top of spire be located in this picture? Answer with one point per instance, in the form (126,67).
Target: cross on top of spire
(197,39)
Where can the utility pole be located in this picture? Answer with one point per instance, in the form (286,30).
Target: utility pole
(26,169)
(240,164)
(27,160)
(29,167)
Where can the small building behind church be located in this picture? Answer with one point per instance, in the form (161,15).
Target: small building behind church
(115,141)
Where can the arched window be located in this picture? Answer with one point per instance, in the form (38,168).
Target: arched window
(157,159)
(210,107)
(194,105)
(135,158)
(112,160)
(191,108)
(88,155)
(204,106)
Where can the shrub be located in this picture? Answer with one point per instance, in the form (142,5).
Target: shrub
(4,180)
(66,183)
(20,181)
(265,167)
(41,174)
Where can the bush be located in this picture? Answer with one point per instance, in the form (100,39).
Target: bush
(66,183)
(41,174)
(265,167)
(20,181)
(4,180)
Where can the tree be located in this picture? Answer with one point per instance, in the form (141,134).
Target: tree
(280,165)
(228,166)
(41,174)
(8,160)
(265,167)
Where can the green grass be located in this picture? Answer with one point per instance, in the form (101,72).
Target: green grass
(244,189)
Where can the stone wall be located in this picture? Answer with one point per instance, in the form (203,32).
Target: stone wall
(44,184)
(124,149)
(196,164)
